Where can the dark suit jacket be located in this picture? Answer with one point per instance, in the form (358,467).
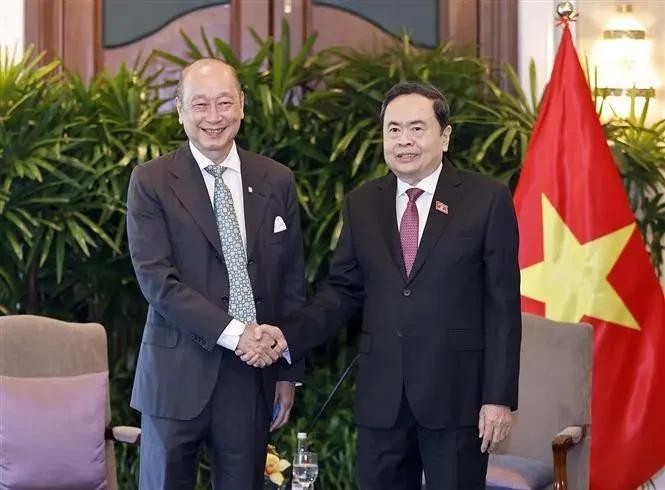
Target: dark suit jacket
(449,335)
(177,256)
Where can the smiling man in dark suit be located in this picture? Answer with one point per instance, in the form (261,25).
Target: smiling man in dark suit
(428,253)
(214,235)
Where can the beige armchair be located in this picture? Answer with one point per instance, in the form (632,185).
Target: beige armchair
(551,432)
(39,347)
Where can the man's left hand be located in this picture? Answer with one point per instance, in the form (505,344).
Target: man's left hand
(494,425)
(284,395)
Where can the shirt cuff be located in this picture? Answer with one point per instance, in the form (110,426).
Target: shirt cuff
(231,335)
(287,355)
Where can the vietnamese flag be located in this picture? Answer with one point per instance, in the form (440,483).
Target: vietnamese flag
(582,259)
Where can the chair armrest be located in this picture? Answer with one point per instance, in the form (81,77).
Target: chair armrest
(563,441)
(123,433)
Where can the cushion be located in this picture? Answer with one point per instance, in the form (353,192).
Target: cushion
(506,472)
(52,432)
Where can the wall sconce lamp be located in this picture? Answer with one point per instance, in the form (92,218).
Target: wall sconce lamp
(623,63)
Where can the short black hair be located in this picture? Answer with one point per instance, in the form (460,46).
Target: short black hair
(439,102)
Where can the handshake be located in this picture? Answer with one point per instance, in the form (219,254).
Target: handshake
(261,345)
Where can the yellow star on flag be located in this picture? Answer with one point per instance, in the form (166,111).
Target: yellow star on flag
(572,278)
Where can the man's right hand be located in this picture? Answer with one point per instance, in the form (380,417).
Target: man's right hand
(261,345)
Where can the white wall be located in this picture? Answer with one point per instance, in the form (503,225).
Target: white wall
(11,26)
(538,38)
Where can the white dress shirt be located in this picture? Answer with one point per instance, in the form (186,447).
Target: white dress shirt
(423,203)
(233,180)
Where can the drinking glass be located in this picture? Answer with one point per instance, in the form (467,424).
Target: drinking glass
(305,468)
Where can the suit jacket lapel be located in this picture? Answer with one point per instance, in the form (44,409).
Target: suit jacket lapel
(388,219)
(256,192)
(448,192)
(189,187)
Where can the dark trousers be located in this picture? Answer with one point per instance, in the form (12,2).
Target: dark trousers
(394,459)
(233,427)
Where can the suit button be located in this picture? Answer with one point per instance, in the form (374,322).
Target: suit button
(406,292)
(258,299)
(251,262)
(225,298)
(219,257)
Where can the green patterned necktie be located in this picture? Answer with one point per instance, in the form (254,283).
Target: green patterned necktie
(241,298)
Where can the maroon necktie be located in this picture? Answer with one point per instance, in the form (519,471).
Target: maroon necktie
(408,229)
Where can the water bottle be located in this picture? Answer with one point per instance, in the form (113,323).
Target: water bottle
(301,447)
(301,442)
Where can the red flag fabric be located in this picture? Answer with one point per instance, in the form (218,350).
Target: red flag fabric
(583,259)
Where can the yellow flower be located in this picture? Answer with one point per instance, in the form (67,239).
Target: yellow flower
(275,466)
(272,462)
(277,479)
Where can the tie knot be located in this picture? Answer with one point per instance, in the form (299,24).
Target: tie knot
(414,193)
(215,170)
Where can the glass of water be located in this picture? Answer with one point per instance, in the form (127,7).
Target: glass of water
(305,468)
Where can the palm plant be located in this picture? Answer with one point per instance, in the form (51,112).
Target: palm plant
(66,154)
(45,191)
(502,121)
(639,151)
